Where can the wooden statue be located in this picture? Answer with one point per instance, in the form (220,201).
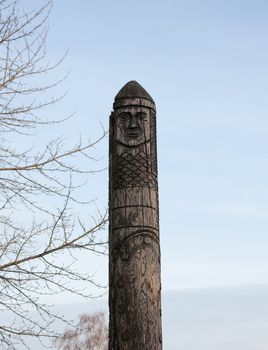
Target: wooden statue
(134,251)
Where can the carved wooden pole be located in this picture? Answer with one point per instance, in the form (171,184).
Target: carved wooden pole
(134,252)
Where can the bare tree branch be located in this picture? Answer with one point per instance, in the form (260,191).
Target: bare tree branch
(42,233)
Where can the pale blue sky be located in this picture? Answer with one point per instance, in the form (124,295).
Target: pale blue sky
(230,318)
(205,64)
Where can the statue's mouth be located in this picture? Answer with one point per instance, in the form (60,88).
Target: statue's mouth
(133,134)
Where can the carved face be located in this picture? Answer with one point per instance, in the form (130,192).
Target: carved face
(132,125)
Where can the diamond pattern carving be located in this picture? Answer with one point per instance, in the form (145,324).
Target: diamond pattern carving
(132,171)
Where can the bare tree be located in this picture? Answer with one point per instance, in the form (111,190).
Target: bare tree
(91,333)
(41,233)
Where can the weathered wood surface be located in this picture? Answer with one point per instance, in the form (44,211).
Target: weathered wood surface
(134,252)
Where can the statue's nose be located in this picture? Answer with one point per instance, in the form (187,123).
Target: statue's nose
(133,123)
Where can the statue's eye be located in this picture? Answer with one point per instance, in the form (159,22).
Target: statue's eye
(123,117)
(142,116)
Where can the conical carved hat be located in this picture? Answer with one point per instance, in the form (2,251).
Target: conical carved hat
(133,94)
